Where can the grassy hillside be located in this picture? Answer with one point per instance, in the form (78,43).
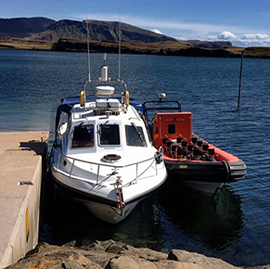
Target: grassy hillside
(112,47)
(157,48)
(20,43)
(257,52)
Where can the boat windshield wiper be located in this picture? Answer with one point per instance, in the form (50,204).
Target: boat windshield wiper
(137,130)
(101,126)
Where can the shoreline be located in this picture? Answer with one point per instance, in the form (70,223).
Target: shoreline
(168,48)
(114,254)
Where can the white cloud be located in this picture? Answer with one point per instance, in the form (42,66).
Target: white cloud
(157,31)
(256,36)
(243,39)
(226,35)
(200,29)
(239,36)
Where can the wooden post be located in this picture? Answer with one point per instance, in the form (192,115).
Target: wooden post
(240,80)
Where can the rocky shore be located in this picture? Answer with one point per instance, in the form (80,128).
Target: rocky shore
(112,254)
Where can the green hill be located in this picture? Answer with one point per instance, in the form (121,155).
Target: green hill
(23,27)
(106,31)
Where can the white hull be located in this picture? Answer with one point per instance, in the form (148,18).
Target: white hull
(107,209)
(108,213)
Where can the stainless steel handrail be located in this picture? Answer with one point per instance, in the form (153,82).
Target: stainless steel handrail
(73,160)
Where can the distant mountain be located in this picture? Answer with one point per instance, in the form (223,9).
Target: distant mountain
(99,31)
(208,44)
(103,31)
(23,27)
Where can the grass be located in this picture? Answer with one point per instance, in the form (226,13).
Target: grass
(24,44)
(162,48)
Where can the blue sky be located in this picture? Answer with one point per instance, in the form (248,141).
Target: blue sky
(243,22)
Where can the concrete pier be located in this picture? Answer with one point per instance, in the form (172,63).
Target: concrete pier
(20,183)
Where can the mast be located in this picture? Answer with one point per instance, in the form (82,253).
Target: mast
(83,93)
(119,49)
(88,52)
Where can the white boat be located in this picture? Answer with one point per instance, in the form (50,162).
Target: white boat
(102,152)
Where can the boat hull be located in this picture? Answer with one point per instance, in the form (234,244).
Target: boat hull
(207,177)
(108,213)
(102,207)
(220,171)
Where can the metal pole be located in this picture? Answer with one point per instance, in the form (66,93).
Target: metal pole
(240,80)
(119,48)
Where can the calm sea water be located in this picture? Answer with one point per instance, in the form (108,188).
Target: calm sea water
(235,226)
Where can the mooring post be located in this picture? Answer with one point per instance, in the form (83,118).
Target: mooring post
(240,80)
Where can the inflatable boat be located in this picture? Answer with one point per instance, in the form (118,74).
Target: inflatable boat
(190,158)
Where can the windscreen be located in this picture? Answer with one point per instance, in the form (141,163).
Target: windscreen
(83,136)
(135,136)
(109,134)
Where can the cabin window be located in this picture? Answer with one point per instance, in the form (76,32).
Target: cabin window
(109,134)
(83,136)
(171,128)
(135,136)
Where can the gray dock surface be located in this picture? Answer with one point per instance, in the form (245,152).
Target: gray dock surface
(20,183)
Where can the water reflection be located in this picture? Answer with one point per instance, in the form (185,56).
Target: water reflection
(216,222)
(165,221)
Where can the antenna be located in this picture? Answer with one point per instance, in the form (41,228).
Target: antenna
(83,93)
(88,51)
(119,47)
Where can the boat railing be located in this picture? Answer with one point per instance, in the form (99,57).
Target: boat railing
(150,108)
(70,174)
(163,105)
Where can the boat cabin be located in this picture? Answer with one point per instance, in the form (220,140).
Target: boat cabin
(103,125)
(171,125)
